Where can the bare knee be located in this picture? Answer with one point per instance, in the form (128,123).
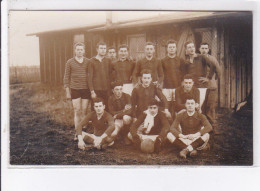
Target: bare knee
(77,112)
(84,111)
(118,123)
(127,119)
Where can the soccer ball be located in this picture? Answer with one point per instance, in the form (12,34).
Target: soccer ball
(147,146)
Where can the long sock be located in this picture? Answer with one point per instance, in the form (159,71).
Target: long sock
(179,144)
(199,142)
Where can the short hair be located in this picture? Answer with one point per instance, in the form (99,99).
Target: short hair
(146,71)
(188,42)
(123,46)
(97,100)
(100,43)
(189,97)
(116,83)
(204,43)
(111,47)
(171,41)
(153,101)
(188,76)
(149,43)
(79,44)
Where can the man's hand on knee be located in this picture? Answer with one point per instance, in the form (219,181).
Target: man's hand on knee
(127,107)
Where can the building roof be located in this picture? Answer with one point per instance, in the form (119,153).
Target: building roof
(175,17)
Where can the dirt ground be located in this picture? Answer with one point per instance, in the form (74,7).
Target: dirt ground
(41,133)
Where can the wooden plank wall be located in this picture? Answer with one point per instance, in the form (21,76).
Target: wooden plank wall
(55,50)
(234,53)
(238,60)
(222,81)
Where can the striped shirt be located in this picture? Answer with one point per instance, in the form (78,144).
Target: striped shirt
(76,74)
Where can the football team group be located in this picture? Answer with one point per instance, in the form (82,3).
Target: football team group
(148,103)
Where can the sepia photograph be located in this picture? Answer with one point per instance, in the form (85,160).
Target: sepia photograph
(128,88)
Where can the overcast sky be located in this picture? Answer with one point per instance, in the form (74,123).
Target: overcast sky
(24,50)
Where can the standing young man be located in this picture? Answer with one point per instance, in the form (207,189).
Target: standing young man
(99,72)
(193,133)
(197,65)
(172,69)
(119,105)
(145,92)
(111,53)
(76,82)
(123,69)
(209,107)
(151,63)
(151,124)
(103,125)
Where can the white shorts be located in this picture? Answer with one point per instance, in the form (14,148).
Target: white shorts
(169,94)
(202,95)
(128,88)
(94,137)
(205,137)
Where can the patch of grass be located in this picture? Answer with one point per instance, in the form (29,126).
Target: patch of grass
(41,132)
(24,74)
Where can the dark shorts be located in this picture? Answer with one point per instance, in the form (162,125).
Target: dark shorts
(80,93)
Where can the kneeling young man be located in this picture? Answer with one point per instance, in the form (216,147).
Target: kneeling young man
(119,105)
(193,133)
(185,91)
(146,91)
(151,124)
(103,125)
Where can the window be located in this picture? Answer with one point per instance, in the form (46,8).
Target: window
(136,44)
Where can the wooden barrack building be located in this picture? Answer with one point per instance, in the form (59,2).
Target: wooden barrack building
(229,35)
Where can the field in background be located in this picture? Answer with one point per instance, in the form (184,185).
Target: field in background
(24,74)
(42,132)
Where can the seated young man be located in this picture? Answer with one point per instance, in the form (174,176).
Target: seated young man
(103,125)
(146,91)
(194,132)
(119,105)
(184,91)
(151,124)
